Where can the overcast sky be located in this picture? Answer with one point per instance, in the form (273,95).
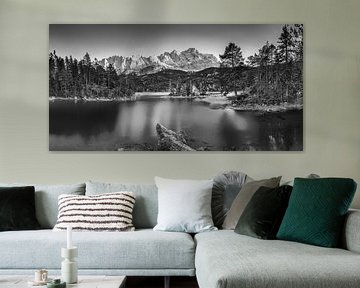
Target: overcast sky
(102,41)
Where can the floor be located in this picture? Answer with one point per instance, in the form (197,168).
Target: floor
(158,282)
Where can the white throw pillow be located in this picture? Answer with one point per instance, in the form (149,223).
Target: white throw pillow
(105,212)
(184,205)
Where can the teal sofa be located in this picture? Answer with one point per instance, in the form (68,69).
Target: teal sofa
(219,259)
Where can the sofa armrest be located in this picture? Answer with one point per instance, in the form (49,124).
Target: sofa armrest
(351,234)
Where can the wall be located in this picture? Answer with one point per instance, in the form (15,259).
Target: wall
(332,102)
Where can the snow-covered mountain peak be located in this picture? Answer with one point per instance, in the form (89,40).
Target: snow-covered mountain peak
(188,60)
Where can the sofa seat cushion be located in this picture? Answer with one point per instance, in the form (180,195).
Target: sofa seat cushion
(142,249)
(226,259)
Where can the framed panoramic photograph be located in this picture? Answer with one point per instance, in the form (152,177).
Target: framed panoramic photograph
(176,87)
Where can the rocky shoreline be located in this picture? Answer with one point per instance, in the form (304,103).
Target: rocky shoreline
(268,108)
(77,99)
(224,102)
(214,100)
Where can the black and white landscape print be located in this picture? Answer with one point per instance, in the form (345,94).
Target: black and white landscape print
(127,87)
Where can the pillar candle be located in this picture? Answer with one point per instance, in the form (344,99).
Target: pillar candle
(69,237)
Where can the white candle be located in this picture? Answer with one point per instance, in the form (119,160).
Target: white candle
(69,239)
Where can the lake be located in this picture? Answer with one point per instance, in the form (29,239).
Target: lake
(109,126)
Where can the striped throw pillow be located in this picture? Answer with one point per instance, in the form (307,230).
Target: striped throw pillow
(105,212)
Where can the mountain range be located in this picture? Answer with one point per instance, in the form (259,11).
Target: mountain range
(187,60)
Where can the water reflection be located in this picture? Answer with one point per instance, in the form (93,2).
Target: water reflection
(85,119)
(106,126)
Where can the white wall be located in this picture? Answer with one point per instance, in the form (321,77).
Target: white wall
(332,88)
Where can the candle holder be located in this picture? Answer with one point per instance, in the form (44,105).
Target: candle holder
(68,265)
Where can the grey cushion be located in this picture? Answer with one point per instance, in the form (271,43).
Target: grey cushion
(226,259)
(226,187)
(46,200)
(243,198)
(146,204)
(144,249)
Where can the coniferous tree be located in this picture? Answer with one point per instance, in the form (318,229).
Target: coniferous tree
(266,61)
(61,75)
(284,55)
(285,47)
(297,34)
(87,66)
(71,78)
(52,75)
(111,76)
(232,58)
(68,78)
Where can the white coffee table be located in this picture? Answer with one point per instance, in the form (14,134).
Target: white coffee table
(84,281)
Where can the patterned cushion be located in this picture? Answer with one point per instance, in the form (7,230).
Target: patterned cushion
(316,211)
(146,205)
(106,212)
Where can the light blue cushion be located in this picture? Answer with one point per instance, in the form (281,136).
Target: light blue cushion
(184,205)
(46,200)
(146,204)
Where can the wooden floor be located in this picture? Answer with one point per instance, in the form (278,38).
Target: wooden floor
(158,282)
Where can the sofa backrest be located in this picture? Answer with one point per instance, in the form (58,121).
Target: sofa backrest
(46,200)
(146,203)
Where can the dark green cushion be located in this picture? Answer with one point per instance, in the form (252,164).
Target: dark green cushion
(263,214)
(316,211)
(17,208)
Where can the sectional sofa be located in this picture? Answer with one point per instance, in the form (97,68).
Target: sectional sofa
(219,259)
